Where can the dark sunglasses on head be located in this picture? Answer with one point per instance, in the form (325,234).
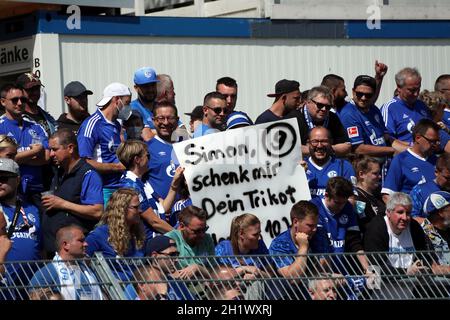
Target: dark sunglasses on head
(15,100)
(320,106)
(218,110)
(359,95)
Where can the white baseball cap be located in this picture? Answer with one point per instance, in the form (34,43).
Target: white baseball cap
(114,89)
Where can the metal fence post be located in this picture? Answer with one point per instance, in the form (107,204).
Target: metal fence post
(101,267)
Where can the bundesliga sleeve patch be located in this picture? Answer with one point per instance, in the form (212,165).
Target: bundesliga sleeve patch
(352,132)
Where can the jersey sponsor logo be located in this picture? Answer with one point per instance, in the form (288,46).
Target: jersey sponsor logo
(343,219)
(410,125)
(31,217)
(317,192)
(332,174)
(170,170)
(162,153)
(352,132)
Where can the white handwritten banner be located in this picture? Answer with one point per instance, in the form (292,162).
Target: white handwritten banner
(247,170)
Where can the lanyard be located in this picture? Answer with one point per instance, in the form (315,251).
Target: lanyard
(309,121)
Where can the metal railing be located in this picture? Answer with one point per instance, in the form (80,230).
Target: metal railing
(257,277)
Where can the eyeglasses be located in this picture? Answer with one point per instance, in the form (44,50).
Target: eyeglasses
(169,119)
(219,110)
(15,100)
(198,231)
(359,95)
(315,142)
(432,142)
(5,179)
(320,106)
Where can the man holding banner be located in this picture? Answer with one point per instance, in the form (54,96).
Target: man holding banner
(252,169)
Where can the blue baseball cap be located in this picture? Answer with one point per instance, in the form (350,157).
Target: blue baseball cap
(237,119)
(436,201)
(145,75)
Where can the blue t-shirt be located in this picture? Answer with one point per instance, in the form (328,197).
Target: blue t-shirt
(336,225)
(406,170)
(26,241)
(224,248)
(97,240)
(203,130)
(318,176)
(400,118)
(148,198)
(419,194)
(98,139)
(30,176)
(162,165)
(146,114)
(363,128)
(284,244)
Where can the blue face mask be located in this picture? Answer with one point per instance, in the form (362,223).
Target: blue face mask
(125,112)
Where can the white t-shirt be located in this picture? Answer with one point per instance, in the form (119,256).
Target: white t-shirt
(400,243)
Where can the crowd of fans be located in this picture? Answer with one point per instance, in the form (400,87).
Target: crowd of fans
(107,182)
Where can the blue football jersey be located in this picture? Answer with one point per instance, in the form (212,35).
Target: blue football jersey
(162,165)
(336,225)
(318,176)
(446,117)
(406,170)
(400,118)
(363,128)
(419,194)
(98,139)
(30,176)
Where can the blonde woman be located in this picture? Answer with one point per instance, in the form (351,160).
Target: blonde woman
(134,156)
(245,239)
(8,147)
(120,232)
(435,101)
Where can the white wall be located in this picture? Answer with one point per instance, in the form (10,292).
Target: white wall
(256,64)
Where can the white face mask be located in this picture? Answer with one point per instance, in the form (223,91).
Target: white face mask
(125,113)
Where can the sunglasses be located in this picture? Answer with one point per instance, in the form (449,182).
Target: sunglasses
(432,142)
(5,179)
(15,100)
(219,110)
(320,106)
(359,95)
(199,231)
(172,254)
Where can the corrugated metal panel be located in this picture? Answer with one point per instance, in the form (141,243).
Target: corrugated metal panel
(256,64)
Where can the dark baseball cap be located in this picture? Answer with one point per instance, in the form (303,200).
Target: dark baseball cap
(74,89)
(28,80)
(366,81)
(158,244)
(285,86)
(197,113)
